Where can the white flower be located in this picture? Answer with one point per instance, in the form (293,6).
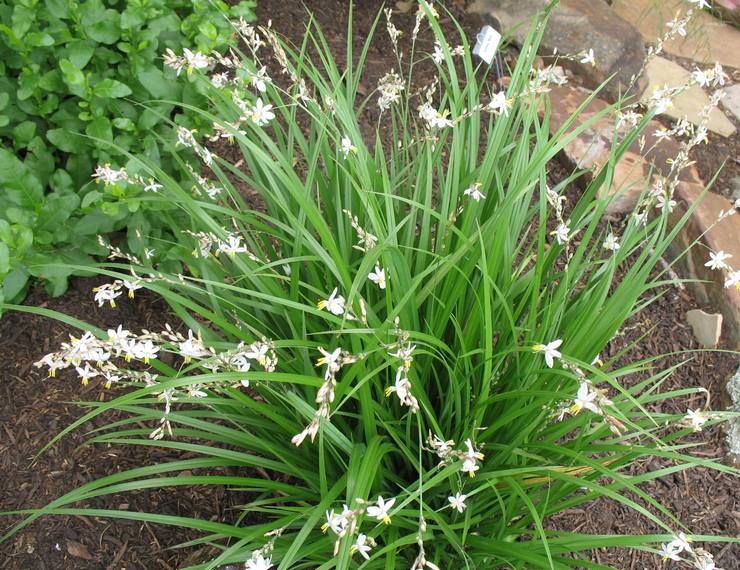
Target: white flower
(152,186)
(149,252)
(717,260)
(665,203)
(334,304)
(107,293)
(719,75)
(499,103)
(470,459)
(701,77)
(108,175)
(434,118)
(696,418)
(348,147)
(219,80)
(132,287)
(700,3)
(258,563)
(232,245)
(474,192)
(457,501)
(195,391)
(677,27)
(145,350)
(380,510)
(668,551)
(337,522)
(611,242)
(192,347)
(681,543)
(261,114)
(195,60)
(86,373)
(115,336)
(550,351)
(733,280)
(562,233)
(378,277)
(585,399)
(588,57)
(331,359)
(260,79)
(439,55)
(361,546)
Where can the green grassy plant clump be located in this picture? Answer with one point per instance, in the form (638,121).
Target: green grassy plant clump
(396,352)
(69,75)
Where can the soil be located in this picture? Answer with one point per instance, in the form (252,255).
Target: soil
(35,408)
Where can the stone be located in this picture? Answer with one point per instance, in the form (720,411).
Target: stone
(714,236)
(733,431)
(735,188)
(708,40)
(731,100)
(662,72)
(707,327)
(575,26)
(591,148)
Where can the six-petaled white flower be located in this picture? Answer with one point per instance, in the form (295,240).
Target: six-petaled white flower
(611,242)
(261,114)
(474,192)
(380,510)
(361,545)
(457,501)
(588,57)
(334,304)
(550,351)
(377,276)
(348,147)
(499,103)
(259,562)
(718,260)
(696,418)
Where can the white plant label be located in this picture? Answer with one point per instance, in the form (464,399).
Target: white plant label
(486,44)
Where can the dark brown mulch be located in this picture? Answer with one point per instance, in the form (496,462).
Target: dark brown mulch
(34,408)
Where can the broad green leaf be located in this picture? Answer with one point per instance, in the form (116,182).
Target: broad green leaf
(79,52)
(64,140)
(100,128)
(71,72)
(111,88)
(4,259)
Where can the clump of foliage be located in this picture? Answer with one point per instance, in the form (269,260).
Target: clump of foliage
(69,75)
(400,346)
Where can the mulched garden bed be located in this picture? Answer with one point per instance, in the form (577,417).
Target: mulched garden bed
(34,408)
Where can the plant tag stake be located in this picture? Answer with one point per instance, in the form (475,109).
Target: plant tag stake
(486,44)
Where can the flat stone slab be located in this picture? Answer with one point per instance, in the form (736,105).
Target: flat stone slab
(715,237)
(662,72)
(592,147)
(707,327)
(631,175)
(708,40)
(575,26)
(731,100)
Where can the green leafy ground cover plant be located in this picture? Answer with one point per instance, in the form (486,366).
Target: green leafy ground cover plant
(398,354)
(69,75)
